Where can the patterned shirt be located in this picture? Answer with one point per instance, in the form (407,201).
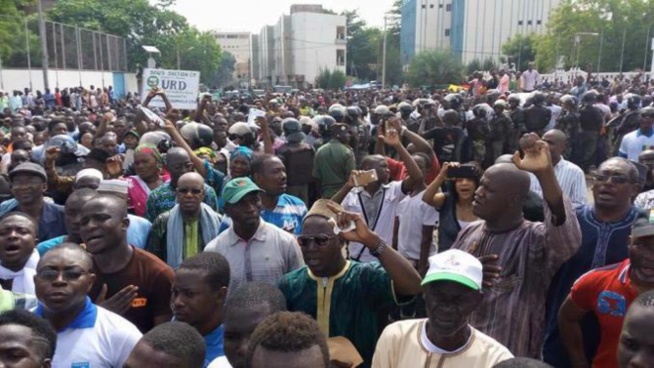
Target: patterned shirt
(164,199)
(266,257)
(572,180)
(645,200)
(513,309)
(287,215)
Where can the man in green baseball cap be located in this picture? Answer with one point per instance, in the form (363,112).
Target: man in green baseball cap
(452,291)
(255,249)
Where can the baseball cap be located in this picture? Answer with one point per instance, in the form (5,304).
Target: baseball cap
(455,265)
(644,224)
(28,168)
(236,189)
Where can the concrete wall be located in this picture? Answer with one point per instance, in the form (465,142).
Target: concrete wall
(19,79)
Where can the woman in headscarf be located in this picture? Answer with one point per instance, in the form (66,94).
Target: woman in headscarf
(240,161)
(148,165)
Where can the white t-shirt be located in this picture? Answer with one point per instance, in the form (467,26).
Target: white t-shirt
(413,214)
(634,143)
(556,112)
(220,362)
(97,338)
(392,193)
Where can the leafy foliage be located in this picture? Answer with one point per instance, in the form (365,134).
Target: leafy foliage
(329,79)
(521,50)
(142,23)
(435,68)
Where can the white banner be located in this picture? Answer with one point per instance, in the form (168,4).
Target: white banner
(181,87)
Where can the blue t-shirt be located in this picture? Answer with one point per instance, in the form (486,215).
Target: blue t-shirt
(214,344)
(287,215)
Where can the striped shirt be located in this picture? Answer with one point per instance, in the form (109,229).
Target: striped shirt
(266,257)
(287,215)
(572,180)
(513,309)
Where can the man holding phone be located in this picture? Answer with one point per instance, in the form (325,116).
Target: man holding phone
(377,200)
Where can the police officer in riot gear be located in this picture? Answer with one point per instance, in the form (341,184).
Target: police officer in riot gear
(537,116)
(568,123)
(591,120)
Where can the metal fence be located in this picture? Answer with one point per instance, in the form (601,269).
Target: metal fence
(68,47)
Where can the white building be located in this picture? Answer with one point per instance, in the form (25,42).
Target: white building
(299,45)
(472,29)
(239,45)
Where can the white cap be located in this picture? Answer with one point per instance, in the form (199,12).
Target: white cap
(114,186)
(455,265)
(92,173)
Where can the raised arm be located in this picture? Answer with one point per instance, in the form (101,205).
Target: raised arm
(346,188)
(198,163)
(406,280)
(265,135)
(392,138)
(433,195)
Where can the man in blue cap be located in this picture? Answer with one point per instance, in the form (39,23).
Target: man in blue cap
(255,249)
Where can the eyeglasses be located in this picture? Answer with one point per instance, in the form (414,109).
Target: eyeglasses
(68,275)
(233,137)
(320,240)
(616,179)
(185,191)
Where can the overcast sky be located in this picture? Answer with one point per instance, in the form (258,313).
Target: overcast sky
(251,15)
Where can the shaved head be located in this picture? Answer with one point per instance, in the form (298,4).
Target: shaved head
(191,178)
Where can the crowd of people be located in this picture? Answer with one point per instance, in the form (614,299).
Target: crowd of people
(370,228)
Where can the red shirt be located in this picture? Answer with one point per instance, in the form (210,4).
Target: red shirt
(608,293)
(398,169)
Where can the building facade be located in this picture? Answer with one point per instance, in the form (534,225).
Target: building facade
(294,50)
(239,45)
(471,29)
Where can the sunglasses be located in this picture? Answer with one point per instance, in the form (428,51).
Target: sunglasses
(320,240)
(617,179)
(186,191)
(233,137)
(68,275)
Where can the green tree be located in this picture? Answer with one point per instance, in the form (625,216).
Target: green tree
(473,66)
(488,64)
(142,23)
(435,68)
(329,79)
(520,50)
(601,22)
(364,46)
(224,76)
(12,31)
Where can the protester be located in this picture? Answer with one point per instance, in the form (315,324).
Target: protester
(128,281)
(148,166)
(607,293)
(245,310)
(169,345)
(522,257)
(454,206)
(188,227)
(354,293)
(164,197)
(334,161)
(452,290)
(636,348)
(289,340)
(18,256)
(26,340)
(255,249)
(63,278)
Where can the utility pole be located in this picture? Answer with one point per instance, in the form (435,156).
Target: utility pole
(383,81)
(44,46)
(624,38)
(29,58)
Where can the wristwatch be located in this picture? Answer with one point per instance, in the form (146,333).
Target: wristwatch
(379,250)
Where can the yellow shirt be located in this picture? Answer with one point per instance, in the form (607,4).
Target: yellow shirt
(401,345)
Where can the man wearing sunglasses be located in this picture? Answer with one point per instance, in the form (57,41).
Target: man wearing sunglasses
(185,230)
(641,139)
(164,198)
(346,296)
(87,335)
(605,229)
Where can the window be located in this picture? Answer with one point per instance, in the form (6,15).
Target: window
(539,22)
(528,22)
(431,6)
(520,22)
(447,32)
(440,6)
(340,57)
(448,7)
